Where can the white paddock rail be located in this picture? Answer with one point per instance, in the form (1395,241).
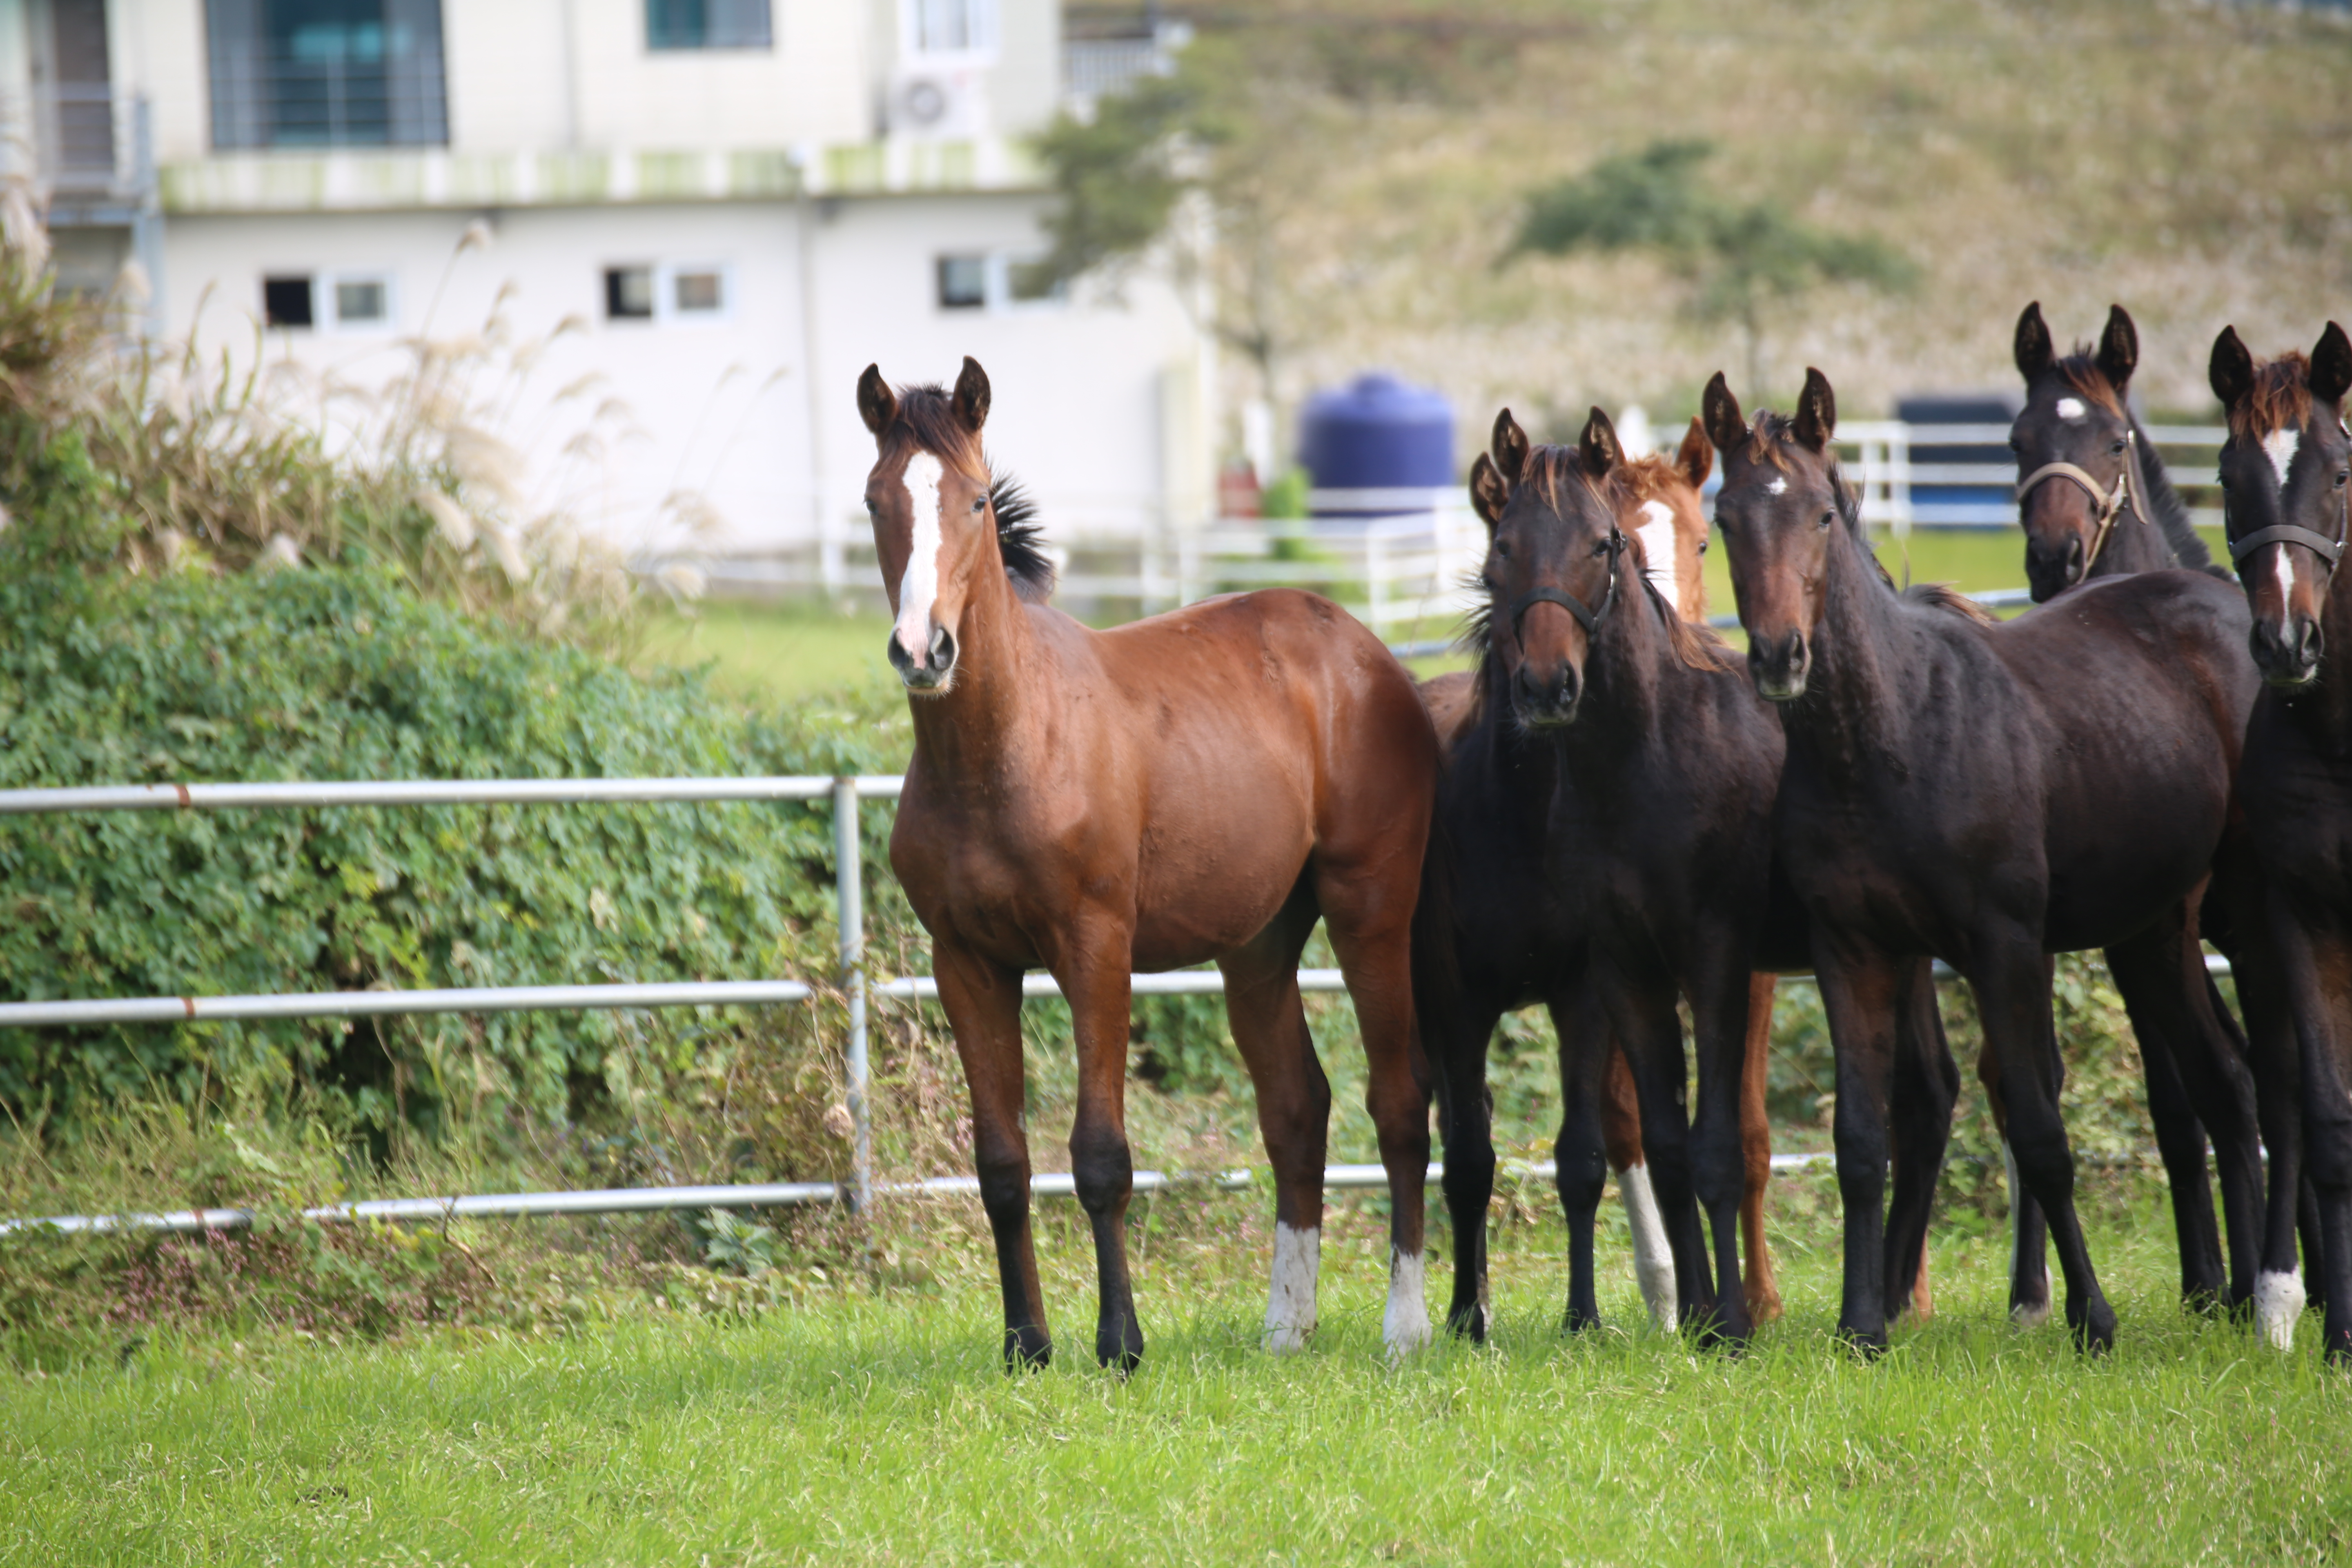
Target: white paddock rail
(845,792)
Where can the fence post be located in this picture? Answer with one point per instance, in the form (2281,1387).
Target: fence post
(849,880)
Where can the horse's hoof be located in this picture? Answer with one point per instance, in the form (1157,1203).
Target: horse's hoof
(1764,1308)
(2198,1301)
(1574,1322)
(2028,1314)
(1864,1344)
(1120,1348)
(1028,1349)
(2339,1349)
(1468,1323)
(2278,1303)
(2094,1327)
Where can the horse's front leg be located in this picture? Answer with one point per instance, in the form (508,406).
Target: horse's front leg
(1925,1085)
(1761,1289)
(984,1006)
(1093,970)
(1642,1010)
(1581,1164)
(1721,993)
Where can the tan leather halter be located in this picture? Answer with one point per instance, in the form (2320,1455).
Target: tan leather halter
(2108,506)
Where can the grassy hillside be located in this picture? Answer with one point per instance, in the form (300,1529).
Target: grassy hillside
(2190,161)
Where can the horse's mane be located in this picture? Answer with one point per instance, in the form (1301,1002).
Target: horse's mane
(1653,478)
(928,414)
(2280,400)
(1930,596)
(2081,372)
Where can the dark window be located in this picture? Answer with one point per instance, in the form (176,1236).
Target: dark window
(286,301)
(707,25)
(327,73)
(963,282)
(701,292)
(629,293)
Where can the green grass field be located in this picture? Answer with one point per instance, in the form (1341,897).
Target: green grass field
(877,1428)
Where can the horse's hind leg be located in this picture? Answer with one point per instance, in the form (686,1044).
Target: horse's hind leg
(1620,1136)
(2028,1233)
(1093,969)
(1925,1085)
(983,1009)
(1367,907)
(1294,1110)
(1456,1029)
(2197,1080)
(1762,1291)
(1583,1152)
(1642,1010)
(2011,979)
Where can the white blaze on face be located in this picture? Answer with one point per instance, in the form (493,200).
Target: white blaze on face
(919,588)
(2286,589)
(1657,537)
(2279,446)
(1654,1259)
(2071,410)
(1777,488)
(1404,1326)
(1290,1303)
(2278,1302)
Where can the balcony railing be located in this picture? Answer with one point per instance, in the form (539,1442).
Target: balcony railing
(89,145)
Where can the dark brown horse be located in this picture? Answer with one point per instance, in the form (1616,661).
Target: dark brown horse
(1510,943)
(1203,784)
(1657,851)
(2091,492)
(2096,502)
(1969,791)
(2286,481)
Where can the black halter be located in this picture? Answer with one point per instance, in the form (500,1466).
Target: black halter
(1587,616)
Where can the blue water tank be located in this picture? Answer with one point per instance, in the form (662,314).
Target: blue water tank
(1376,435)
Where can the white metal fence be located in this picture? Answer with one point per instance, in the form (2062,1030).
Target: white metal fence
(1393,568)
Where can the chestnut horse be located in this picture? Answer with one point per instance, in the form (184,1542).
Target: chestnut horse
(1511,944)
(2286,484)
(1987,794)
(1202,785)
(2096,502)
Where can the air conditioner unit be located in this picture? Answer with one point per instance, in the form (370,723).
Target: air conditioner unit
(935,101)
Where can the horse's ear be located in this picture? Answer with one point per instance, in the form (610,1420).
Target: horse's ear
(2230,371)
(1696,459)
(2035,349)
(2331,365)
(1489,491)
(1510,448)
(1816,411)
(972,395)
(876,404)
(2118,348)
(1598,448)
(1725,426)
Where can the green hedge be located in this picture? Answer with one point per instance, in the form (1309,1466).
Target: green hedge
(342,674)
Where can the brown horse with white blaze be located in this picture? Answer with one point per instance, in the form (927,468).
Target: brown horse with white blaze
(1202,786)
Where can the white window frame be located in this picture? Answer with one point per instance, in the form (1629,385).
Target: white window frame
(987,20)
(665,308)
(324,284)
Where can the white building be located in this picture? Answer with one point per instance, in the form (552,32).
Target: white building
(735,206)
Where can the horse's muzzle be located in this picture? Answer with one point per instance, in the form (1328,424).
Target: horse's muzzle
(930,672)
(1778,666)
(1546,700)
(2289,655)
(2052,569)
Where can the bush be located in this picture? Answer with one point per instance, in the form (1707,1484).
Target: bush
(343,674)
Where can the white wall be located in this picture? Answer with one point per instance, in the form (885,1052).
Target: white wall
(1078,389)
(1082,392)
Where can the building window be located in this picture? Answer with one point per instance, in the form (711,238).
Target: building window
(707,25)
(995,281)
(362,301)
(963,282)
(327,73)
(629,293)
(950,27)
(699,291)
(286,301)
